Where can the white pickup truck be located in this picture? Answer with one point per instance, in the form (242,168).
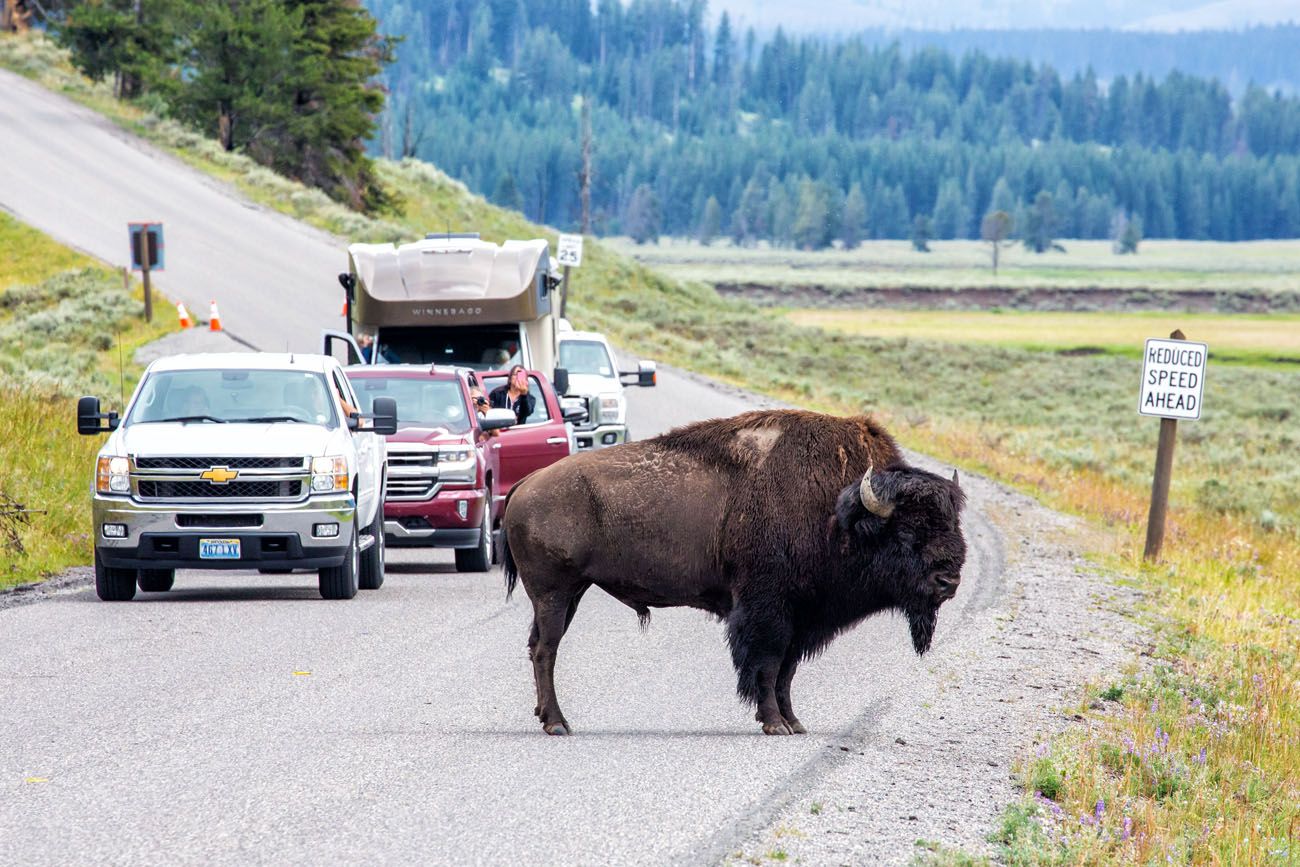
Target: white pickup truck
(239,461)
(594,375)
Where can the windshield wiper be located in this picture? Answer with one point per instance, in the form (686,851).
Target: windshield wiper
(187,418)
(275,418)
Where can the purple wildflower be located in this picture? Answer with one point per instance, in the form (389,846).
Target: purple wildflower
(1128,829)
(1099,810)
(1200,757)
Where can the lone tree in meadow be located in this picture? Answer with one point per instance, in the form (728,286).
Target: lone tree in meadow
(922,232)
(1125,233)
(1041,224)
(995,229)
(710,221)
(643,217)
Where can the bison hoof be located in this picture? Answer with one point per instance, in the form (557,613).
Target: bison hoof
(796,727)
(778,728)
(555,729)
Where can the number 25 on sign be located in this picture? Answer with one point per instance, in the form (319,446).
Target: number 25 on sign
(1173,382)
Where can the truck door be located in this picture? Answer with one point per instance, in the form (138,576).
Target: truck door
(538,443)
(341,347)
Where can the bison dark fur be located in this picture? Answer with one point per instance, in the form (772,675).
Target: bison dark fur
(790,526)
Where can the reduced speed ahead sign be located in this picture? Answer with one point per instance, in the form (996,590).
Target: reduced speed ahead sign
(1173,378)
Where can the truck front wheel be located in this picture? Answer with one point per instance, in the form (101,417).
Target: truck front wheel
(372,561)
(114,585)
(340,582)
(478,559)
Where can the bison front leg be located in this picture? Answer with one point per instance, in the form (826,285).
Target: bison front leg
(783,681)
(758,647)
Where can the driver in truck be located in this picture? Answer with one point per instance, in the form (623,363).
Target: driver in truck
(513,394)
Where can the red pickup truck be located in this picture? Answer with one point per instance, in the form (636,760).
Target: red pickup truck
(450,468)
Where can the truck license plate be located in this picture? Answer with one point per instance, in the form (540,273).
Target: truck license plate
(218,549)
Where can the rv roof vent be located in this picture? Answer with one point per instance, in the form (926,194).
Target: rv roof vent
(448,236)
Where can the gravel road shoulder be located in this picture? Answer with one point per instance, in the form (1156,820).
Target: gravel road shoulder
(936,764)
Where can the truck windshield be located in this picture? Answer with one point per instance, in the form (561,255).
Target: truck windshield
(229,396)
(489,347)
(431,403)
(585,357)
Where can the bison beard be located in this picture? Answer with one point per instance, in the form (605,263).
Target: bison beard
(790,526)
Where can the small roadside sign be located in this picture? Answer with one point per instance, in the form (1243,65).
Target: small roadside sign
(569,251)
(1173,378)
(146,246)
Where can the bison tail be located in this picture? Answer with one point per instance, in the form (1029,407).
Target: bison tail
(512,569)
(507,557)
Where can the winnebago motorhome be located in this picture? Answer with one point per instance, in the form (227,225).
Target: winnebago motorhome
(456,299)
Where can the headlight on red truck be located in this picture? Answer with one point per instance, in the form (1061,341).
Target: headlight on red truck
(457,465)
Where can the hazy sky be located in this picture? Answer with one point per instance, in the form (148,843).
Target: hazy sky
(832,16)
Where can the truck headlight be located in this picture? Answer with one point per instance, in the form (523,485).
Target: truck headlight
(113,475)
(611,407)
(329,474)
(457,465)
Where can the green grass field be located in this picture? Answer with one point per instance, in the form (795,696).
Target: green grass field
(1224,786)
(61,316)
(1272,339)
(1267,266)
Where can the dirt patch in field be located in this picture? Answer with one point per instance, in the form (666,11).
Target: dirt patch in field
(1003,297)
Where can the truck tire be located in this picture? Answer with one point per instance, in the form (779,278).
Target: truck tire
(372,559)
(340,582)
(156,580)
(274,570)
(478,559)
(114,585)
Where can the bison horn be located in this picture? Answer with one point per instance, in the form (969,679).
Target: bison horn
(954,477)
(870,501)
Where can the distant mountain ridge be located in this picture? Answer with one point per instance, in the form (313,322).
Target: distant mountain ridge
(839,16)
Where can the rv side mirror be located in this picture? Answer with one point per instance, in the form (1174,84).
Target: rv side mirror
(384,416)
(89,418)
(498,419)
(561,381)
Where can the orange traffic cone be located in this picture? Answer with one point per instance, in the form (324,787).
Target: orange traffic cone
(214,317)
(184,315)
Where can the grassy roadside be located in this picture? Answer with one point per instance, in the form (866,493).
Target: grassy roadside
(61,316)
(1061,427)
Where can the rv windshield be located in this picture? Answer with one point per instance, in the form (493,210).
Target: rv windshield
(586,357)
(490,347)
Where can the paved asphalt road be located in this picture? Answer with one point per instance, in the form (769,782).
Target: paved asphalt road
(240,718)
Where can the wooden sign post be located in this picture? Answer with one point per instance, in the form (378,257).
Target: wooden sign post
(146,256)
(569,254)
(1173,380)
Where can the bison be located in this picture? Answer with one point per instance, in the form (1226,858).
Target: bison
(789,526)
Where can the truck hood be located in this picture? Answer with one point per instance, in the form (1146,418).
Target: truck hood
(225,440)
(587,384)
(439,436)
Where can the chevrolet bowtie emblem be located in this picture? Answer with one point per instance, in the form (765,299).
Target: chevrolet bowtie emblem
(219,475)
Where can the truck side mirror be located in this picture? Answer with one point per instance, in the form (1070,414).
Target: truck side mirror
(497,419)
(384,416)
(574,413)
(644,373)
(561,381)
(89,418)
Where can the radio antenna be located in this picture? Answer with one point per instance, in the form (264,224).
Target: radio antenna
(121,375)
